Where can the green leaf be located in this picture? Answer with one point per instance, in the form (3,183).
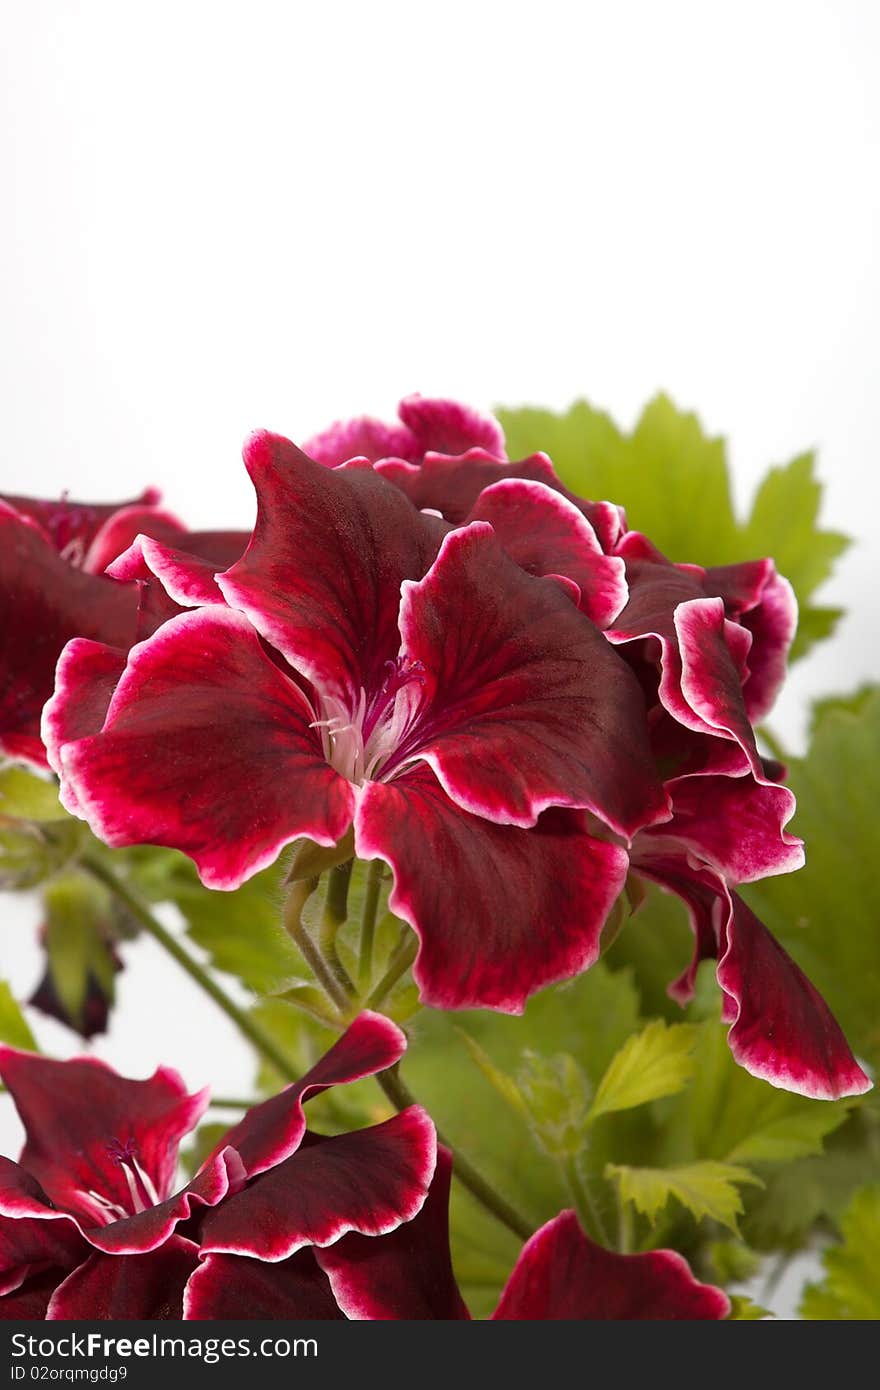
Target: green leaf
(853,703)
(657,1062)
(25,796)
(673,480)
(14,1029)
(850,1289)
(706,1189)
(825,914)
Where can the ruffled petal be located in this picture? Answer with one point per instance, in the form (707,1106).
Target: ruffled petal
(781,1027)
(321,577)
(448,427)
(207,747)
(148,1229)
(735,824)
(406,1274)
(545,534)
(185,570)
(363,437)
(84,533)
(32,1231)
(525,704)
(82,1121)
(85,678)
(451,486)
(148,1286)
(119,530)
(508,911)
(45,602)
(233,1286)
(367,1181)
(561,1274)
(271,1131)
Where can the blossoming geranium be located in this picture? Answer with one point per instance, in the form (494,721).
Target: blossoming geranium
(93,1226)
(373,669)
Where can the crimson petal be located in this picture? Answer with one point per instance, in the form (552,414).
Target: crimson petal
(321,577)
(207,748)
(186,570)
(546,534)
(451,486)
(28,1302)
(782,1029)
(526,706)
(45,602)
(367,1181)
(32,1231)
(89,535)
(85,678)
(500,911)
(734,823)
(271,1131)
(561,1275)
(406,1274)
(447,427)
(234,1286)
(142,1286)
(79,1116)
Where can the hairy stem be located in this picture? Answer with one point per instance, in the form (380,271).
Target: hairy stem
(368,922)
(401,1097)
(402,958)
(332,918)
(300,892)
(587,1210)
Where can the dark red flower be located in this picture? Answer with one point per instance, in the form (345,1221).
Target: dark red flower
(419,684)
(92,1225)
(89,535)
(425,426)
(408,1276)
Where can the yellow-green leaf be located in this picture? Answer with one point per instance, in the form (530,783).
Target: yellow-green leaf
(25,796)
(658,1061)
(707,1189)
(850,1290)
(13,1025)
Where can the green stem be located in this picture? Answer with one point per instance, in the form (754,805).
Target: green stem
(587,1210)
(402,958)
(244,1021)
(233,1103)
(368,922)
(332,918)
(401,1098)
(624,1227)
(297,898)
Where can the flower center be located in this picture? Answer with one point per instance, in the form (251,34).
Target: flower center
(141,1190)
(359,743)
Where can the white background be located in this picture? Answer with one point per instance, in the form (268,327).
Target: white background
(217,217)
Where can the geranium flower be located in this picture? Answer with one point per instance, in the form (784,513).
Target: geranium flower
(407,1275)
(53,587)
(94,1011)
(374,669)
(426,425)
(89,535)
(93,1226)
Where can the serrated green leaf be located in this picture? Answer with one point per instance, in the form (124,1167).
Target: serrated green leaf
(657,1062)
(14,1028)
(25,796)
(853,703)
(673,480)
(850,1289)
(707,1189)
(826,915)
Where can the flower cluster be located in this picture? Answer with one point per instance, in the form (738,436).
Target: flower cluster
(278,1222)
(435,657)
